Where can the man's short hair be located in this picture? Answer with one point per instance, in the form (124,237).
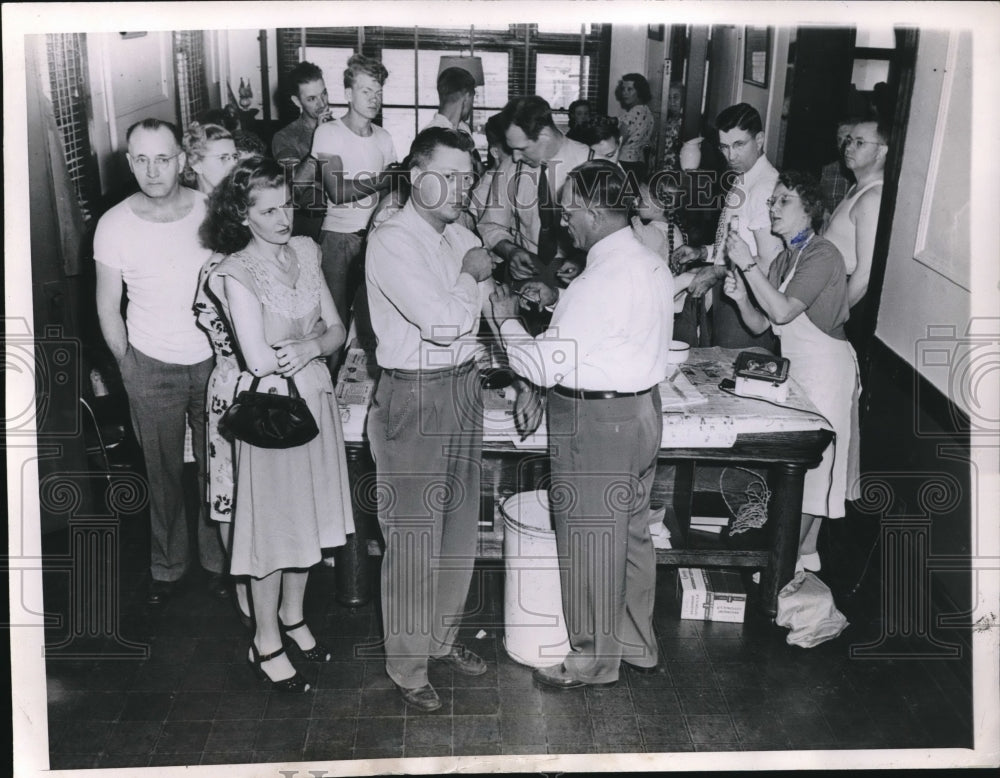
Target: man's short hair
(452,83)
(154,124)
(532,114)
(882,128)
(600,184)
(303,73)
(423,146)
(495,130)
(740,116)
(359,64)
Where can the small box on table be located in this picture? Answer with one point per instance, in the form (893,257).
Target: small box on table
(711,595)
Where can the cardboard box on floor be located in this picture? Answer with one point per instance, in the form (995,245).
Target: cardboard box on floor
(711,595)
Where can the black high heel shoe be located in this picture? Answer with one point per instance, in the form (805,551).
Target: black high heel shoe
(318,653)
(296,684)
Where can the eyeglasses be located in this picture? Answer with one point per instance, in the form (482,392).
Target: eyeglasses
(224,158)
(782,201)
(860,142)
(158,163)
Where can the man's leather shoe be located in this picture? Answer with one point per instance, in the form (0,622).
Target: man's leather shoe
(640,669)
(462,660)
(558,677)
(159,592)
(217,586)
(423,697)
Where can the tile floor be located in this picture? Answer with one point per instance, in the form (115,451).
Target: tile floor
(720,687)
(171,686)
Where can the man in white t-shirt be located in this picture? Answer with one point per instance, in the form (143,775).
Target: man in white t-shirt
(149,242)
(354,154)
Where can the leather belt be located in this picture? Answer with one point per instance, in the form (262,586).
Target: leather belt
(583,394)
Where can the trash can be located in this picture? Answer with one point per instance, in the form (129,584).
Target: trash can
(534,627)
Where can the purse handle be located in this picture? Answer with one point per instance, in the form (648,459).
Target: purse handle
(293,390)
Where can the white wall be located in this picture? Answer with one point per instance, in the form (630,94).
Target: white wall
(924,313)
(724,68)
(628,55)
(769,101)
(130,79)
(240,58)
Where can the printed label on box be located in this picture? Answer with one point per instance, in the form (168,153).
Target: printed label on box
(711,595)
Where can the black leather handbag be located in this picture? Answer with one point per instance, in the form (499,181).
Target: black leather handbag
(269,419)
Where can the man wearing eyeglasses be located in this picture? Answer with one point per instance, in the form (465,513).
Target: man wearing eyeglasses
(150,243)
(741,141)
(853,223)
(602,358)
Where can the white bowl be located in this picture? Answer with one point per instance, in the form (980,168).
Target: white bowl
(678,353)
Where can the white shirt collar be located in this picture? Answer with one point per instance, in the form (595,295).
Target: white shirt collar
(609,245)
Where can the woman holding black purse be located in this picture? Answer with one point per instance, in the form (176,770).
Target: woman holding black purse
(290,503)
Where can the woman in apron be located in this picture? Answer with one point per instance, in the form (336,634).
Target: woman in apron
(803,299)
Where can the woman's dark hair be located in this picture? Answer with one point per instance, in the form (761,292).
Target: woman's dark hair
(249,144)
(223,229)
(806,186)
(641,87)
(595,130)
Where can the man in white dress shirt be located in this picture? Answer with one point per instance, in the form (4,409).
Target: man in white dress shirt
(745,211)
(602,358)
(521,223)
(428,279)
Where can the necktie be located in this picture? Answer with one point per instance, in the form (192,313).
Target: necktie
(548,218)
(720,235)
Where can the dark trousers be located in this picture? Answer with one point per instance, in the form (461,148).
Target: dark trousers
(163,397)
(426,433)
(603,459)
(728,330)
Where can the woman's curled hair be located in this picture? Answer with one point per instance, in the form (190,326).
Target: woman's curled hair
(195,143)
(806,186)
(223,229)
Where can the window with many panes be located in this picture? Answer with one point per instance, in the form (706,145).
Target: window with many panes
(66,87)
(560,63)
(189,72)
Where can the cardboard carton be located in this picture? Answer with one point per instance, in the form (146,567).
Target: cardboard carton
(711,594)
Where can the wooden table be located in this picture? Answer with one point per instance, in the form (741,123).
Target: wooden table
(720,429)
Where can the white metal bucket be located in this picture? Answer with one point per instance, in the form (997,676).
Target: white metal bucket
(534,627)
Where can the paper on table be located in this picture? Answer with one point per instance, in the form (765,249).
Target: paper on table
(679,392)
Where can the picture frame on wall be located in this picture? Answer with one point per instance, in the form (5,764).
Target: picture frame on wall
(757,56)
(655,32)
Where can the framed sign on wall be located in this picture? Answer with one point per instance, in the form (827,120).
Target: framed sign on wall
(756,55)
